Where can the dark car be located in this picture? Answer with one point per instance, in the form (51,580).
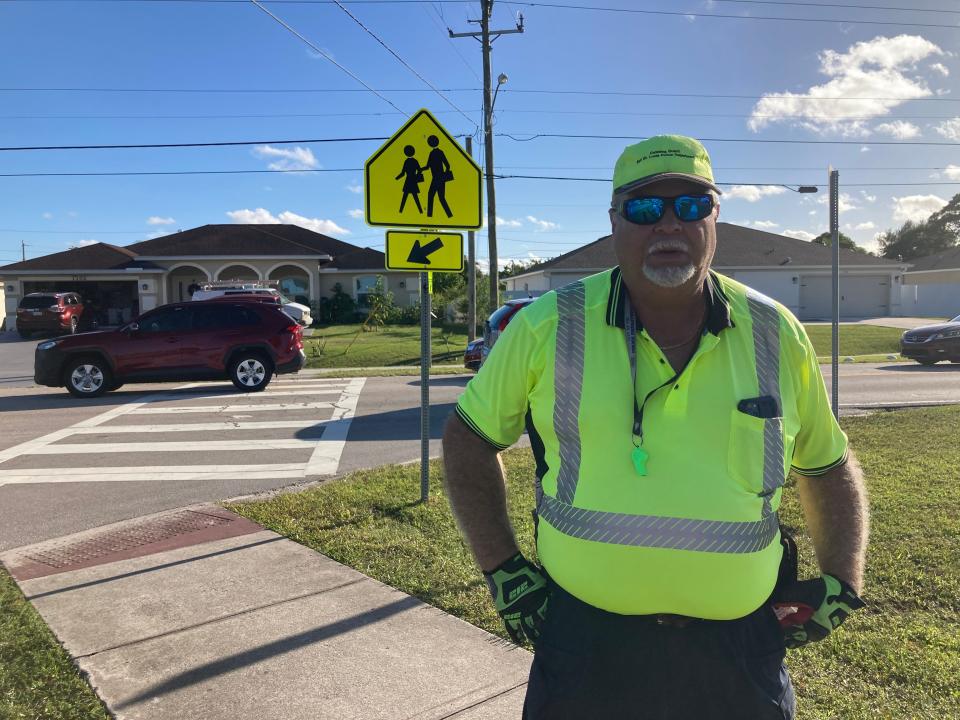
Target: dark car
(245,342)
(473,355)
(497,323)
(932,343)
(51,312)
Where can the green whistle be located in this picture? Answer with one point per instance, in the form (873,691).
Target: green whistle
(640,457)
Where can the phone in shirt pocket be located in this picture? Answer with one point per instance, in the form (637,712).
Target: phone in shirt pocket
(745,452)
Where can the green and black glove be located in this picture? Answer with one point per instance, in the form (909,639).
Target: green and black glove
(809,610)
(520,594)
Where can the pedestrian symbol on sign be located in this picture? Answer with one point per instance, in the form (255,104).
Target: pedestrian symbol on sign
(422,158)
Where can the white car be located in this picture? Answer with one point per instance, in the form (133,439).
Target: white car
(300,313)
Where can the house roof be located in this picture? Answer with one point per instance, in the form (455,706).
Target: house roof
(229,241)
(948,259)
(737,246)
(237,240)
(100,256)
(359,259)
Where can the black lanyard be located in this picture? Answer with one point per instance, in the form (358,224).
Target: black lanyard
(639,456)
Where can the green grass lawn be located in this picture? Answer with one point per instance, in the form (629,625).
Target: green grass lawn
(37,679)
(350,346)
(856,339)
(337,346)
(897,659)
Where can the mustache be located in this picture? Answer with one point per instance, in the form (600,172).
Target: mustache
(668,244)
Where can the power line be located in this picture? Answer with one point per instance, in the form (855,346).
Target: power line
(613,93)
(327,56)
(568,136)
(400,60)
(739,184)
(840,5)
(185,145)
(509,111)
(673,13)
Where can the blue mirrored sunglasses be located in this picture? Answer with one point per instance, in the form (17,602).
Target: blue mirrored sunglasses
(649,210)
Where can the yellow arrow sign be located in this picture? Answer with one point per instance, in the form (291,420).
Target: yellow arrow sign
(423,251)
(422,178)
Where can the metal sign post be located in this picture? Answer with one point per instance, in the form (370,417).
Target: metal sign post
(425,358)
(835,291)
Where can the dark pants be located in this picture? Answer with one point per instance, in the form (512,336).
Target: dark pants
(593,664)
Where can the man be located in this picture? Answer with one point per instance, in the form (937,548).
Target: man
(665,405)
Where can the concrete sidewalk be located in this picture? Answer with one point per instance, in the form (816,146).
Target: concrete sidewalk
(198,613)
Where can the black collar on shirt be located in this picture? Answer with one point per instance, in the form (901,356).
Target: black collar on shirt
(718,306)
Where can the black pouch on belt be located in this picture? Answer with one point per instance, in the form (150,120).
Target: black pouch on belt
(787,574)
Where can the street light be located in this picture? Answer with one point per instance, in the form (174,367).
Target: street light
(501,80)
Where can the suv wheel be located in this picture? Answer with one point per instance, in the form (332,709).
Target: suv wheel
(250,371)
(87,377)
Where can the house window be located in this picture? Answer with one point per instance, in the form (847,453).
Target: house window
(365,285)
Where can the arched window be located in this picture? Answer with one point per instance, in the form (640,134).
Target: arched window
(292,281)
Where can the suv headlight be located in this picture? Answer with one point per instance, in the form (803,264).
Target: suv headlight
(48,345)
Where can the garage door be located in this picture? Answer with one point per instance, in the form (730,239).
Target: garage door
(860,296)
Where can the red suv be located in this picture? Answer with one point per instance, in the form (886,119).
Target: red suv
(49,312)
(246,342)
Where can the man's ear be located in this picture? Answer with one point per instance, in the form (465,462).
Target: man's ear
(613,219)
(717,206)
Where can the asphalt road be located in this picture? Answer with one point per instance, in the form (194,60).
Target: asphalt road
(68,465)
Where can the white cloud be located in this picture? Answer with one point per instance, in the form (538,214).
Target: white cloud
(542,225)
(261,216)
(864,149)
(82,243)
(355,188)
(503,222)
(295,158)
(845,203)
(799,234)
(157,220)
(751,193)
(952,172)
(355,214)
(869,70)
(48,216)
(861,226)
(940,68)
(72,213)
(950,129)
(765,224)
(899,129)
(868,197)
(916,207)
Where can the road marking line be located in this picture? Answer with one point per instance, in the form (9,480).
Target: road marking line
(326,457)
(198,427)
(240,395)
(31,445)
(202,445)
(151,473)
(231,408)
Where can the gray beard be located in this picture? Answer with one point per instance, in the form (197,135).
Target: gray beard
(670,276)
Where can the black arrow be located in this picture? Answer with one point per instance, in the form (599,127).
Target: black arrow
(421,254)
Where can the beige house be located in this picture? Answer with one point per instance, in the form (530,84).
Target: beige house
(931,288)
(122,282)
(795,272)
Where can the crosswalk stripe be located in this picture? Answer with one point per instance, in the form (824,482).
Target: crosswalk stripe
(204,445)
(151,473)
(231,408)
(199,427)
(239,395)
(326,457)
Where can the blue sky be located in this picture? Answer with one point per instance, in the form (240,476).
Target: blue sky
(236,46)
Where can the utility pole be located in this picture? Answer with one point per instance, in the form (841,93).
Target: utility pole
(835,289)
(23,251)
(486,36)
(471,273)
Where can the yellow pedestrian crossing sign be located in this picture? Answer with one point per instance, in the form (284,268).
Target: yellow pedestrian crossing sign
(422,178)
(424,251)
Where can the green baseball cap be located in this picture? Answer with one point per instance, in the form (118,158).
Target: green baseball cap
(663,157)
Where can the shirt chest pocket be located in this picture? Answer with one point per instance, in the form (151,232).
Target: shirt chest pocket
(759,451)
